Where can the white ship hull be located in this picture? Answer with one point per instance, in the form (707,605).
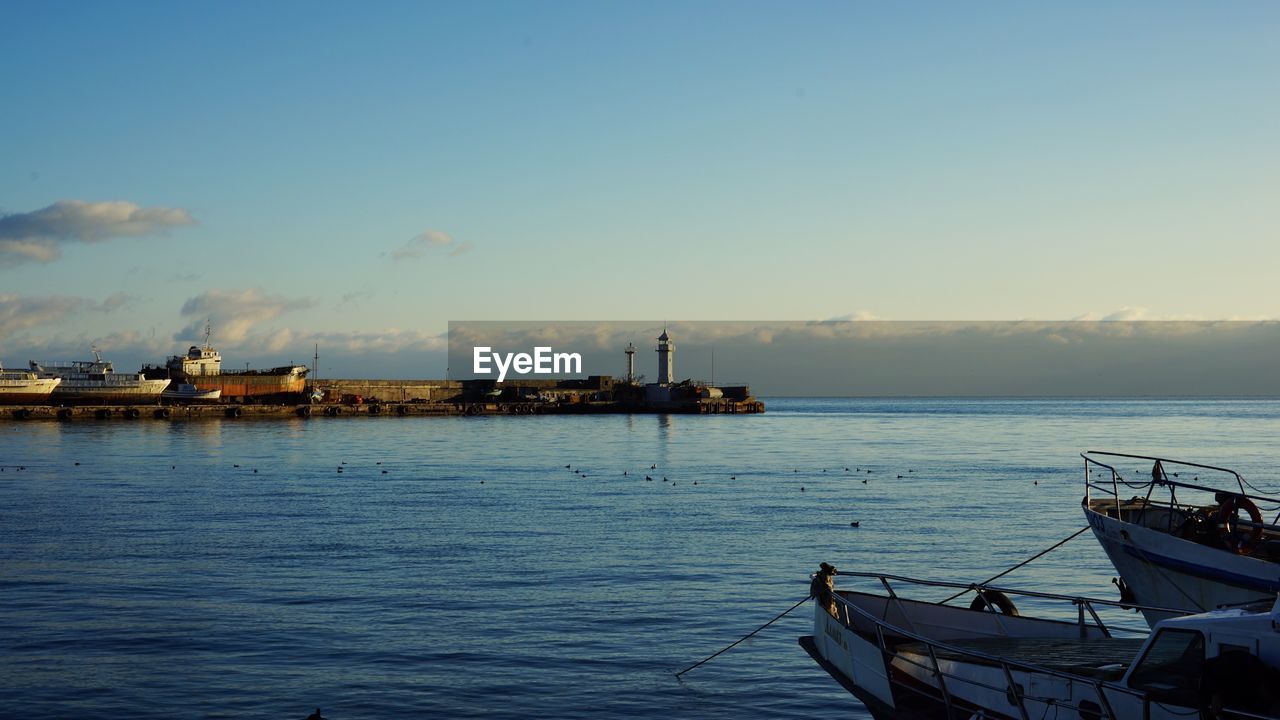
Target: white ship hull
(134,392)
(33,391)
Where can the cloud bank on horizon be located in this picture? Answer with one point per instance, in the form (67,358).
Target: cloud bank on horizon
(1113,358)
(38,236)
(1116,357)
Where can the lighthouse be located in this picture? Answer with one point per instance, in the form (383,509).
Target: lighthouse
(666,358)
(631,362)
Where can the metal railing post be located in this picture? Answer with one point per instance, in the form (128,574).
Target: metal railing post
(1088,482)
(1101,625)
(942,683)
(1103,701)
(1013,690)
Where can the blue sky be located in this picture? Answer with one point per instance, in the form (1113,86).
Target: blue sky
(358,175)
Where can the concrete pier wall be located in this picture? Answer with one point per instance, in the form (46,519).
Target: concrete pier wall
(392,391)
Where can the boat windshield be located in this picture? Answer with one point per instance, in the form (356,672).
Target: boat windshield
(1171,667)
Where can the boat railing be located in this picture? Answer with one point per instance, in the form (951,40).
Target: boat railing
(1082,604)
(1017,693)
(74,366)
(1160,479)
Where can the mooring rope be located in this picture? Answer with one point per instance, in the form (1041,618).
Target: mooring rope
(786,612)
(1042,553)
(744,637)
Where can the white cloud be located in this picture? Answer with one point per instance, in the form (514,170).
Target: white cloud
(115,301)
(17,252)
(233,313)
(18,313)
(21,313)
(855,316)
(277,341)
(429,241)
(1126,314)
(37,236)
(390,340)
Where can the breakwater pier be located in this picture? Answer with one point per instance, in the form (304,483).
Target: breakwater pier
(597,394)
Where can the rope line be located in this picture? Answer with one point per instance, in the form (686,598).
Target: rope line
(744,637)
(1042,553)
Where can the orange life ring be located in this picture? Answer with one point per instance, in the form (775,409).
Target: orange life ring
(1229,519)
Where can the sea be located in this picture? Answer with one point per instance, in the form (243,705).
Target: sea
(532,566)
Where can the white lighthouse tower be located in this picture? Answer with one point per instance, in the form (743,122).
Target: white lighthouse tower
(666,359)
(631,362)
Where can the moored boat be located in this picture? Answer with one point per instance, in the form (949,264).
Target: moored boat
(182,393)
(914,658)
(23,387)
(96,382)
(1182,542)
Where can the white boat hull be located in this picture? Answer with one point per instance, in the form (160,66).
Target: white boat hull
(915,659)
(850,651)
(854,658)
(190,396)
(1168,571)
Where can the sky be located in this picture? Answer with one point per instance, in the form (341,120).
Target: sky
(357,175)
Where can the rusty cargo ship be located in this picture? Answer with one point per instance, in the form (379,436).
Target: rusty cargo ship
(202,367)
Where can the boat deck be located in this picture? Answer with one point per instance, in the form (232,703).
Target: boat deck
(1104,658)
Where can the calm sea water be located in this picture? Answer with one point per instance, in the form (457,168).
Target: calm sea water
(456,568)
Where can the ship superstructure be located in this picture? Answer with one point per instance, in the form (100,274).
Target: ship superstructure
(96,381)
